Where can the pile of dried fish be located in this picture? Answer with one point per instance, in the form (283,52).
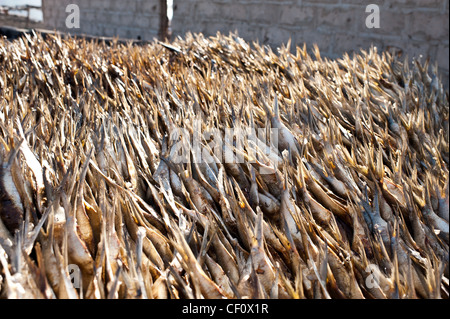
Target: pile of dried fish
(348,199)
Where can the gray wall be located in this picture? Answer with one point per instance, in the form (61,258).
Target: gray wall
(123,18)
(337,26)
(417,27)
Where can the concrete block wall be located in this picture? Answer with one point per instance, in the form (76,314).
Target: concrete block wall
(130,19)
(417,27)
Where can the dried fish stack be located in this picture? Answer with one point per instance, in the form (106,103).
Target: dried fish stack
(348,199)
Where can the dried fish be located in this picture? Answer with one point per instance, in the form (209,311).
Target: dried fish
(212,168)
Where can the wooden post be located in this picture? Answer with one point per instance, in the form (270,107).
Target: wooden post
(163,21)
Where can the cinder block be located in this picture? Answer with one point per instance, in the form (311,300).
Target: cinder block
(205,10)
(320,2)
(427,26)
(337,20)
(99,4)
(85,4)
(183,16)
(118,5)
(124,19)
(364,3)
(298,15)
(234,11)
(153,23)
(150,7)
(183,9)
(414,5)
(141,21)
(264,13)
